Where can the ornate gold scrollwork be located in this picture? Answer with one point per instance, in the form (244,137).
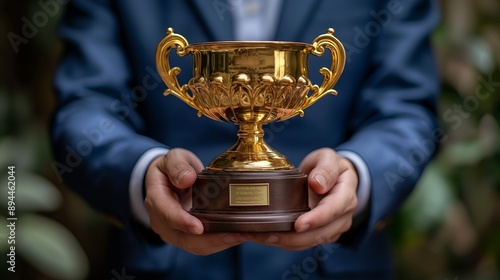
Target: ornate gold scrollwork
(332,75)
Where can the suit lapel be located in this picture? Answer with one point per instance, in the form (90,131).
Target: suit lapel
(294,17)
(217,17)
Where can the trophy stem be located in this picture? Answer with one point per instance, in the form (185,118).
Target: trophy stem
(250,153)
(251,133)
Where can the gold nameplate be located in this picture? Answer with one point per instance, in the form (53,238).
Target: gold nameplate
(249,194)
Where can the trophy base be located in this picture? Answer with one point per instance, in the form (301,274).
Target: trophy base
(247,222)
(249,201)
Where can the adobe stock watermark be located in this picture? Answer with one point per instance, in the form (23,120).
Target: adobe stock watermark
(362,35)
(273,128)
(461,111)
(31,26)
(128,102)
(407,166)
(94,136)
(74,155)
(455,116)
(373,28)
(310,264)
(121,275)
(217,187)
(222,7)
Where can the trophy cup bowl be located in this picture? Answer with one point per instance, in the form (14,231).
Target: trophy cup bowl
(250,187)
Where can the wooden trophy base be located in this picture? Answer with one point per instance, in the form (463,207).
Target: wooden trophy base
(249,201)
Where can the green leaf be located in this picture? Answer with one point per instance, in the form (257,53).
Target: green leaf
(51,248)
(33,193)
(464,153)
(480,54)
(430,200)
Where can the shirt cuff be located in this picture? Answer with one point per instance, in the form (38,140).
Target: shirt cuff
(139,210)
(364,181)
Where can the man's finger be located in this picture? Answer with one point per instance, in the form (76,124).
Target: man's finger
(338,202)
(323,169)
(166,210)
(300,241)
(181,166)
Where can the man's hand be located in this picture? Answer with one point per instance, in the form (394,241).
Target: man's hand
(332,197)
(168,197)
(333,182)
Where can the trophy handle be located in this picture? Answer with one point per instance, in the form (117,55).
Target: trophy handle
(332,75)
(169,75)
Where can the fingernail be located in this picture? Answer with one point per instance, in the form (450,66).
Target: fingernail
(272,239)
(181,175)
(229,239)
(304,228)
(321,180)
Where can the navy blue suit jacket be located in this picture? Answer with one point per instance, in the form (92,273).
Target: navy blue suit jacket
(111,110)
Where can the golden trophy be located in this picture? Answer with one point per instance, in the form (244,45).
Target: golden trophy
(250,187)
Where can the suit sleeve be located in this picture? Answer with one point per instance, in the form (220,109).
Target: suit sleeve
(96,130)
(393,123)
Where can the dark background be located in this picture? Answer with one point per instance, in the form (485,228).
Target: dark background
(448,229)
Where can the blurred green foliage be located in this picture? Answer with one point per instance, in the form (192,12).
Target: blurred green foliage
(53,226)
(448,229)
(450,226)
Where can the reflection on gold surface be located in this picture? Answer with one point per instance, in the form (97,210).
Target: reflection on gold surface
(250,84)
